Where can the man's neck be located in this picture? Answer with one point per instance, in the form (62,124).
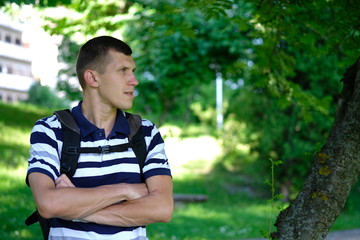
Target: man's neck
(101,115)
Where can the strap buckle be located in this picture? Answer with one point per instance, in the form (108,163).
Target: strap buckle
(72,150)
(65,168)
(104,149)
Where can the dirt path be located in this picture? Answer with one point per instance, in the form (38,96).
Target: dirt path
(353,234)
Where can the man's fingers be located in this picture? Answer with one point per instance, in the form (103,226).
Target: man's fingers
(63,181)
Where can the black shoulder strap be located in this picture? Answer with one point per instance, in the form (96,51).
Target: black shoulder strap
(68,161)
(71,143)
(137,140)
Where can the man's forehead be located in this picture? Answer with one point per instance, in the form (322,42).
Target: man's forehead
(119,58)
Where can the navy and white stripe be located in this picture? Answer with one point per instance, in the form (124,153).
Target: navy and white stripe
(96,169)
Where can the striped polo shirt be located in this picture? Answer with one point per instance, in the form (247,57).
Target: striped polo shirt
(96,169)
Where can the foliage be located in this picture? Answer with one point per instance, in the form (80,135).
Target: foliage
(177,62)
(67,78)
(45,97)
(289,98)
(278,132)
(281,62)
(40,3)
(274,196)
(176,51)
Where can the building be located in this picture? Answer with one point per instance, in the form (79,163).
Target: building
(15,62)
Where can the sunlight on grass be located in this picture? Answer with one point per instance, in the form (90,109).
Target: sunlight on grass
(14,149)
(203,150)
(14,135)
(213,221)
(14,175)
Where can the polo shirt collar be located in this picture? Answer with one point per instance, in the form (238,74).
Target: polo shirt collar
(121,124)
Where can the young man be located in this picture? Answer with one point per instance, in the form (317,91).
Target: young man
(105,199)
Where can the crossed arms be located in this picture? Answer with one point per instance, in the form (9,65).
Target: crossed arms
(145,203)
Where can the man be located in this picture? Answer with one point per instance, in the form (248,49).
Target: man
(105,199)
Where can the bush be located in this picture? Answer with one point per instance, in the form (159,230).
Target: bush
(45,97)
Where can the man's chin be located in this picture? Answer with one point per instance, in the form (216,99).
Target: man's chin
(125,108)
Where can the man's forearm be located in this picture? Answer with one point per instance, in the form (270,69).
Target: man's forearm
(152,208)
(76,203)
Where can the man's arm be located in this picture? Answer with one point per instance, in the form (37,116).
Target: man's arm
(75,203)
(157,206)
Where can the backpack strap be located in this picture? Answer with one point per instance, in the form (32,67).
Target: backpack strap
(137,140)
(68,161)
(71,143)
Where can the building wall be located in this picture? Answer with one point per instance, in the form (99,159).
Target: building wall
(15,63)
(14,66)
(12,96)
(10,35)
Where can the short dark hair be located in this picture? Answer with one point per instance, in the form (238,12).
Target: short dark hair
(94,55)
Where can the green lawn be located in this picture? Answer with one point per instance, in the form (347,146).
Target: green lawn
(237,208)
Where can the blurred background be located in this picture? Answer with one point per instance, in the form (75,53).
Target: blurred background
(244,93)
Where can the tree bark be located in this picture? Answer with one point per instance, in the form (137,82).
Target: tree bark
(335,170)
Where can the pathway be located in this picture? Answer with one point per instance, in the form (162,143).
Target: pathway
(353,234)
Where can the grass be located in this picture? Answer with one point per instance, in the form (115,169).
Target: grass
(229,213)
(238,205)
(16,203)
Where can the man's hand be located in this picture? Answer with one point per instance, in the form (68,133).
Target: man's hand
(63,181)
(136,190)
(157,206)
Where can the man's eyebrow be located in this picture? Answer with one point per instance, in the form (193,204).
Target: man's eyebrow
(123,67)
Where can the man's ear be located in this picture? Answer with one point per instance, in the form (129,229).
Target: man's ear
(90,78)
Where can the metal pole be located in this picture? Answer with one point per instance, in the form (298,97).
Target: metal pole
(219,101)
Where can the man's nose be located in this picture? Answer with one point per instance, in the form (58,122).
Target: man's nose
(133,80)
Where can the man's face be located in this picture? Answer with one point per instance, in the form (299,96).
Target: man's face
(118,82)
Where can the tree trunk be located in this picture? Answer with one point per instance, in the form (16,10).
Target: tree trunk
(335,170)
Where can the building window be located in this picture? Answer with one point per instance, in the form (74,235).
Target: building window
(10,70)
(8,39)
(1,68)
(18,41)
